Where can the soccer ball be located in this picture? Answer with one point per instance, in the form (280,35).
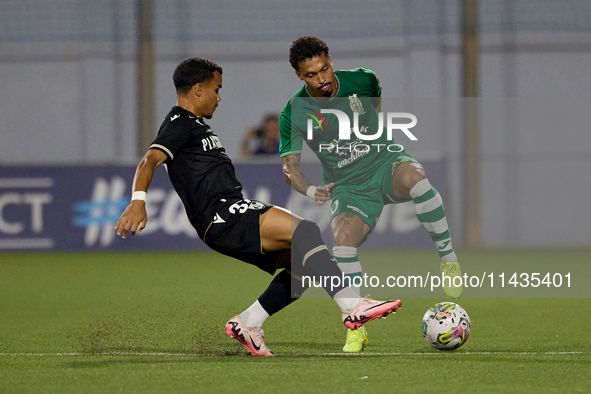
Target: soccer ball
(446,326)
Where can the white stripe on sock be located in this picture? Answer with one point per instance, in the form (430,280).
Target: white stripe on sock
(344,251)
(420,188)
(435,202)
(350,268)
(437,227)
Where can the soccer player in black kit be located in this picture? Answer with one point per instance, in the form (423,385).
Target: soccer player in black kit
(266,236)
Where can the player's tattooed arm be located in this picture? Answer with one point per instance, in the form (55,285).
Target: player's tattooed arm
(292,174)
(297,180)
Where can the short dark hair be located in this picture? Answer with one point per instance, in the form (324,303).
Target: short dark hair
(306,48)
(192,71)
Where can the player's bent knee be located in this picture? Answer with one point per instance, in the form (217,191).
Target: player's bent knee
(414,175)
(310,229)
(341,237)
(408,175)
(348,230)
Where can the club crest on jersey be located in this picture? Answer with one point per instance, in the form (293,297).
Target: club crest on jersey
(355,104)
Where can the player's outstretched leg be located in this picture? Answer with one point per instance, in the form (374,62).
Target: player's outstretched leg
(312,259)
(430,212)
(277,296)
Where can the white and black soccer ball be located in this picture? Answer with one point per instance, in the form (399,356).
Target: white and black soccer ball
(446,326)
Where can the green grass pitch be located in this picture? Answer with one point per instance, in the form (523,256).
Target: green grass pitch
(154,322)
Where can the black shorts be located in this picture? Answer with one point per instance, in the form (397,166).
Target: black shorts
(235,231)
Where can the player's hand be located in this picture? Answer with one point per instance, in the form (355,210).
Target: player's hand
(323,193)
(134,218)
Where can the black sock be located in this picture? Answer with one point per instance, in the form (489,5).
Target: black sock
(283,290)
(310,256)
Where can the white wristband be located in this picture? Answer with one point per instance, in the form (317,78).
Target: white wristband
(138,196)
(311,192)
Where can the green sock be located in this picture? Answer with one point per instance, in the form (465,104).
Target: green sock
(348,262)
(430,212)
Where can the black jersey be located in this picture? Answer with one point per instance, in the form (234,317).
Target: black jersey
(198,167)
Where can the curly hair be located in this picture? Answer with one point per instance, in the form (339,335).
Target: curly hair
(306,48)
(192,71)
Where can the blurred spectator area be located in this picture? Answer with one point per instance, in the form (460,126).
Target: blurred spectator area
(262,141)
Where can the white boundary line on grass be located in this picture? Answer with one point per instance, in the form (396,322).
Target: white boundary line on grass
(306,355)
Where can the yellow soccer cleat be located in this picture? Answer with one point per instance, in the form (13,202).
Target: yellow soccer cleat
(356,340)
(452,269)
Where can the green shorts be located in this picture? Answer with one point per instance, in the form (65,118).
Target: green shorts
(367,199)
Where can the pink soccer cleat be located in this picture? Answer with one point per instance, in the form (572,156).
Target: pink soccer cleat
(368,310)
(251,338)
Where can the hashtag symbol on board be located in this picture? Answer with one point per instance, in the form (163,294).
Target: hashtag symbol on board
(99,214)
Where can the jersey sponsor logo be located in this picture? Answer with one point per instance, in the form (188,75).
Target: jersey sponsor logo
(211,142)
(354,149)
(175,117)
(355,104)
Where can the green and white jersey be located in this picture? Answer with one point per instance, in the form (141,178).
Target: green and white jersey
(343,160)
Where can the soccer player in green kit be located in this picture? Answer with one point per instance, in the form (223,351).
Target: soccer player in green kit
(359,176)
